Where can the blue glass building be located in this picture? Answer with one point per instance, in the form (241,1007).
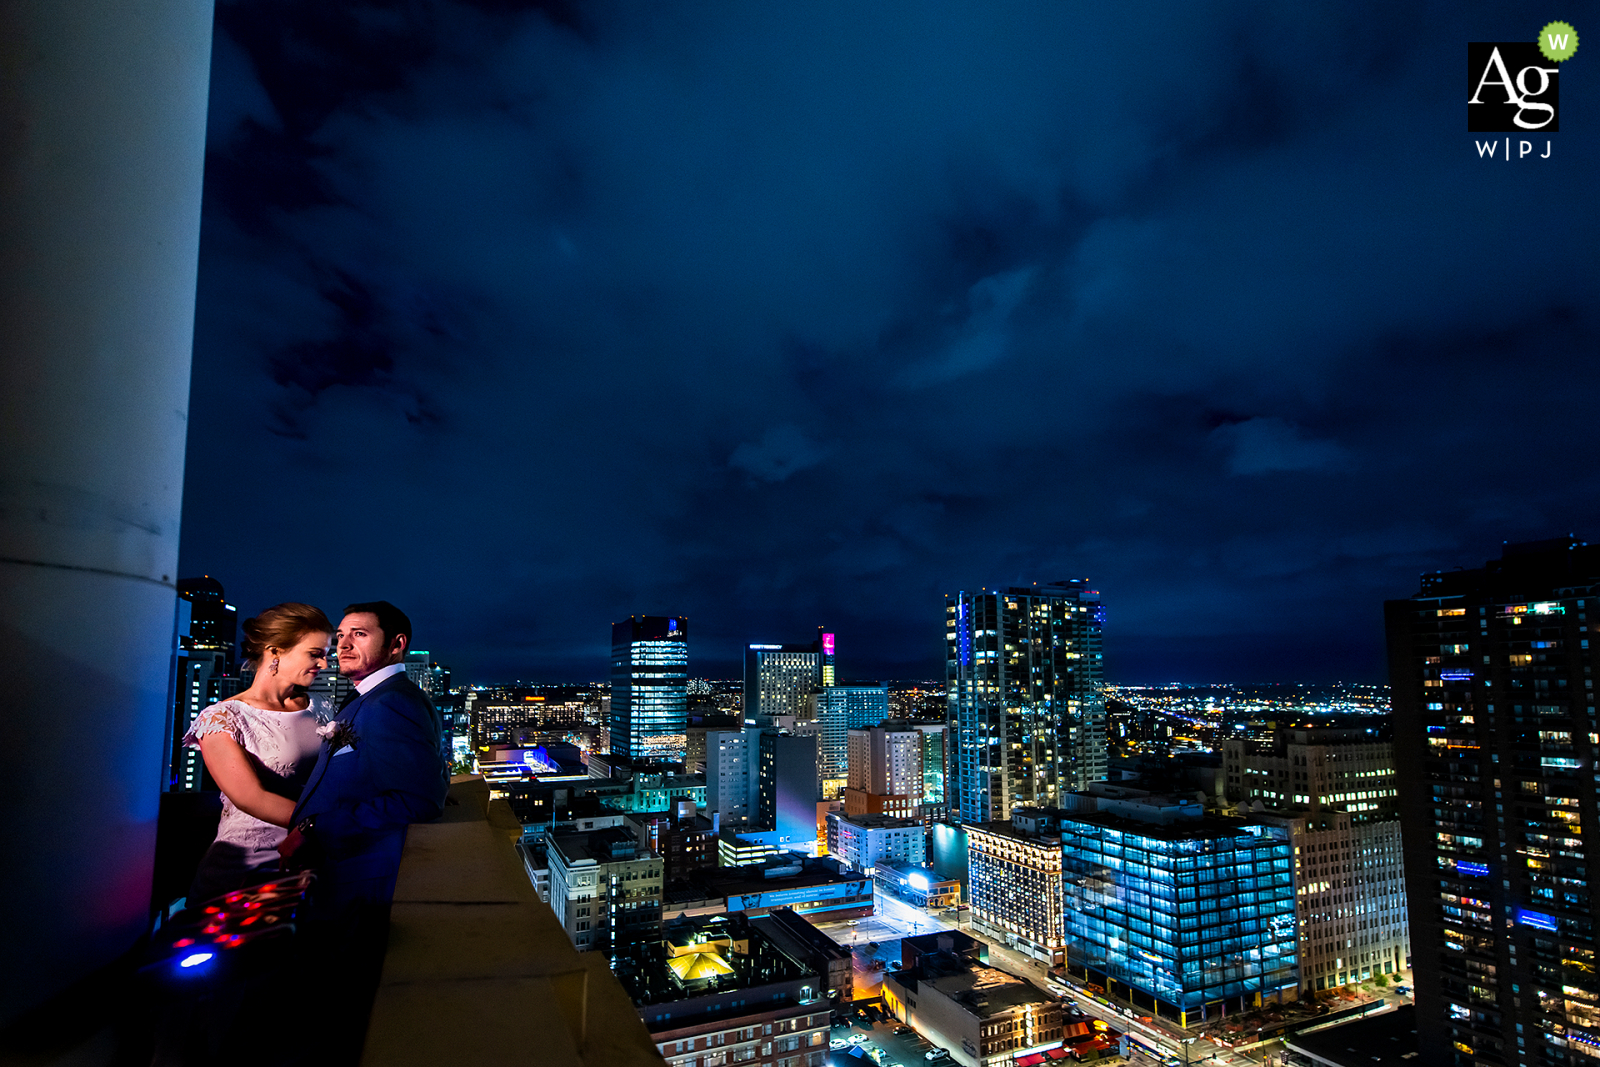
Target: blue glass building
(1188,919)
(840,709)
(649,687)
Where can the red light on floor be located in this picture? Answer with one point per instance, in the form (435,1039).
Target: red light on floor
(183,942)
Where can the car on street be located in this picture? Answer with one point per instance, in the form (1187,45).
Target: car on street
(935,1054)
(838,1043)
(901,1030)
(858,1039)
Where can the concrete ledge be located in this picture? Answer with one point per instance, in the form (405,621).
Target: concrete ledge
(479,970)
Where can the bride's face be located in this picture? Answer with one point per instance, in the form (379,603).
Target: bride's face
(300,664)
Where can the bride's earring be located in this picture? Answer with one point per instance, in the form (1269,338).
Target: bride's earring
(274,667)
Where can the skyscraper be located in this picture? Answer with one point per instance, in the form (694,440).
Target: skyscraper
(649,687)
(783,679)
(213,622)
(1495,745)
(1332,787)
(840,709)
(207,631)
(1023,674)
(885,772)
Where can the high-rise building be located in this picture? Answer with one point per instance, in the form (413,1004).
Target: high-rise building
(1014,882)
(886,760)
(784,679)
(213,622)
(933,763)
(1492,675)
(1333,789)
(604,888)
(204,673)
(885,765)
(1026,712)
(1186,916)
(430,677)
(649,687)
(733,777)
(840,709)
(786,788)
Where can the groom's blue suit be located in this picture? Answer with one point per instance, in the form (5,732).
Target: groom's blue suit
(364,796)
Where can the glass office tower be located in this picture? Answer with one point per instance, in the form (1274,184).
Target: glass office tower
(649,687)
(840,709)
(1496,743)
(1026,714)
(1188,919)
(784,679)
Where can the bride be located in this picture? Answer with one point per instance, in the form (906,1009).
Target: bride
(260,746)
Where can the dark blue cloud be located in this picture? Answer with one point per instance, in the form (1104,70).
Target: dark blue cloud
(533,317)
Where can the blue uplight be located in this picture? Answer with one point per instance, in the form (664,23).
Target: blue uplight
(195,959)
(1477,870)
(1537,919)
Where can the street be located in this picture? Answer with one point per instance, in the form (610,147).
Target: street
(894,919)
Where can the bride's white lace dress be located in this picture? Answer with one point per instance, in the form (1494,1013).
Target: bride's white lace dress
(283,747)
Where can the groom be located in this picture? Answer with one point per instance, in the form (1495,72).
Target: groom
(379,771)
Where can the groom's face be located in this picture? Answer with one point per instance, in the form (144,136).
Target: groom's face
(363,647)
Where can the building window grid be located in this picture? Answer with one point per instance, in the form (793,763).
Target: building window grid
(1190,922)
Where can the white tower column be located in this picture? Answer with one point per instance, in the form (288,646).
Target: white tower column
(102,143)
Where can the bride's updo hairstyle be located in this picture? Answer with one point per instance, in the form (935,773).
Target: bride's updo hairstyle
(281,627)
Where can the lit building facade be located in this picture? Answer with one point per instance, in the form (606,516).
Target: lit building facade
(605,890)
(934,736)
(840,709)
(205,673)
(860,842)
(784,679)
(1014,882)
(1333,789)
(1190,918)
(1492,675)
(885,772)
(886,761)
(1027,717)
(649,687)
(919,886)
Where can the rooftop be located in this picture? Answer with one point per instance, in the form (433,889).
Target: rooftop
(597,846)
(982,989)
(698,956)
(1383,1039)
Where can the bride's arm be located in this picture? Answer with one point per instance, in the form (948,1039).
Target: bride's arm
(232,771)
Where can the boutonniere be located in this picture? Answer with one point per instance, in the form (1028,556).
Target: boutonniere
(338,734)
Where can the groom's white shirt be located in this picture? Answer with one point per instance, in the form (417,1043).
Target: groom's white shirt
(379,676)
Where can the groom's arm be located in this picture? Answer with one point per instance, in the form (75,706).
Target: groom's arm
(399,742)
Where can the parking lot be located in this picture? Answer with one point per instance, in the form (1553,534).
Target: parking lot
(908,1050)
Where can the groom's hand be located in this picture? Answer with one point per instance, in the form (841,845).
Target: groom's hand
(293,843)
(296,843)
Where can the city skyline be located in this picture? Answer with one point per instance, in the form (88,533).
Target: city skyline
(782,316)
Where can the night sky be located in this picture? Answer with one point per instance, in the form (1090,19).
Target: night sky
(529,317)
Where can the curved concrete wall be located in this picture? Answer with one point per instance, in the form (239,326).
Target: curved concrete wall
(102,141)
